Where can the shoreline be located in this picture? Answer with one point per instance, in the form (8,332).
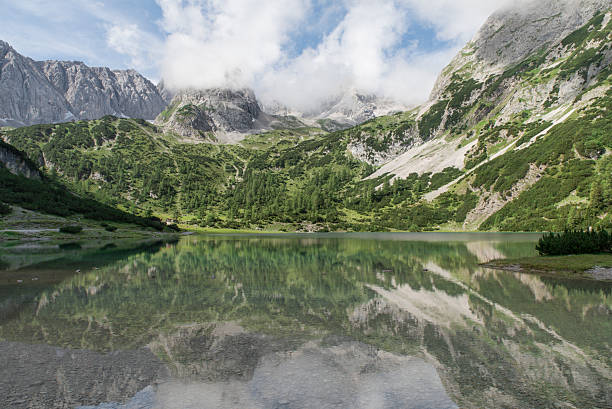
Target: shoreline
(46,233)
(53,235)
(597,267)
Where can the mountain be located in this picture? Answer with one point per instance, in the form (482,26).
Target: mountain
(343,111)
(508,112)
(219,114)
(487,80)
(33,92)
(509,140)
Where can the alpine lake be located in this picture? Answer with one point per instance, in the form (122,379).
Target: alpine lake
(390,320)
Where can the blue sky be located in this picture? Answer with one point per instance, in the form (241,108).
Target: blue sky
(279,47)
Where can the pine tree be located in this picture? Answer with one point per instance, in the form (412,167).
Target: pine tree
(596,198)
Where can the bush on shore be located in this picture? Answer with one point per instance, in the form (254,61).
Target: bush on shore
(71,229)
(575,242)
(4,209)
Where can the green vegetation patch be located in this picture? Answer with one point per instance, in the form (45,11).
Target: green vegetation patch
(432,120)
(50,197)
(575,242)
(5,209)
(71,229)
(580,35)
(570,263)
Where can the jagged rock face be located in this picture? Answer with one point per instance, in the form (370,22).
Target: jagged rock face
(26,95)
(230,110)
(93,92)
(34,92)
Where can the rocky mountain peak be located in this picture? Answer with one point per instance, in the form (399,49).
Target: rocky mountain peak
(218,114)
(222,115)
(242,101)
(34,92)
(515,32)
(4,47)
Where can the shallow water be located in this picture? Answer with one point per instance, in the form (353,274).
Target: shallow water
(298,321)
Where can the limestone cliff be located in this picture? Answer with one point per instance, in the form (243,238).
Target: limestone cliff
(34,92)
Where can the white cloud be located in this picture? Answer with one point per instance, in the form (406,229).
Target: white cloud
(355,44)
(358,53)
(225,42)
(143,49)
(455,20)
(239,43)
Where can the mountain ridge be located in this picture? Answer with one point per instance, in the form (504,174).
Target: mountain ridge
(49,91)
(468,91)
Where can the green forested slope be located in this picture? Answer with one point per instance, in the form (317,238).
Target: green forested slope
(292,181)
(50,195)
(283,177)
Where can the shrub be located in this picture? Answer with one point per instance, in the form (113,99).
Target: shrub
(71,229)
(575,242)
(5,209)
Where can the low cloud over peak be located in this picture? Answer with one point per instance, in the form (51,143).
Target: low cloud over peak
(393,48)
(294,52)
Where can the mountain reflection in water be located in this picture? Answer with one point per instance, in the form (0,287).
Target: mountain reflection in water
(292,321)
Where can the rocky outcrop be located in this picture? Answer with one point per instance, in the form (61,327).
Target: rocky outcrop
(17,162)
(93,92)
(33,92)
(26,95)
(219,114)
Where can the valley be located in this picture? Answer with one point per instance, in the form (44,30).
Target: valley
(513,140)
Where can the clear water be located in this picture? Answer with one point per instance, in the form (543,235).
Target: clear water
(298,321)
